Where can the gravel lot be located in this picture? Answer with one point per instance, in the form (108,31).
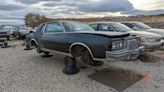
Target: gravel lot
(26,71)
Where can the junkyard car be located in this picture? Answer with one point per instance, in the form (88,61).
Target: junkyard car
(30,39)
(11,29)
(143,27)
(148,39)
(80,40)
(4,34)
(23,31)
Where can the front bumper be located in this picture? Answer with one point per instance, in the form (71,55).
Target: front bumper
(153,45)
(124,54)
(4,35)
(24,33)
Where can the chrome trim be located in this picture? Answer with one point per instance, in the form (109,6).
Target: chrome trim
(59,52)
(70,55)
(82,44)
(125,54)
(99,59)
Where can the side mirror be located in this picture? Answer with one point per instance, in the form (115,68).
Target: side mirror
(135,28)
(31,31)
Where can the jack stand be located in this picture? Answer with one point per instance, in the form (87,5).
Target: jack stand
(97,63)
(46,55)
(70,66)
(28,48)
(4,44)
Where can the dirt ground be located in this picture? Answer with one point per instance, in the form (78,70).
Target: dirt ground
(26,71)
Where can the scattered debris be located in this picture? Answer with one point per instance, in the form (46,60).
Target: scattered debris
(117,78)
(152,56)
(4,44)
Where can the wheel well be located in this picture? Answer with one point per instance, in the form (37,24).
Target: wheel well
(33,43)
(76,50)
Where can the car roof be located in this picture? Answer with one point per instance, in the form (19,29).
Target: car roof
(129,22)
(63,21)
(103,22)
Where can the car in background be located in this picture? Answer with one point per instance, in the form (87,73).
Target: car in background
(23,31)
(11,29)
(148,39)
(4,33)
(143,27)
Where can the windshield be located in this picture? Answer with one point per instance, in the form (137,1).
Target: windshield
(75,27)
(120,27)
(142,25)
(23,28)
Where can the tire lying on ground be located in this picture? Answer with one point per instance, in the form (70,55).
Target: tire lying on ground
(70,66)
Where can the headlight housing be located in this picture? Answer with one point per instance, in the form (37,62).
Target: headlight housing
(117,45)
(8,32)
(150,39)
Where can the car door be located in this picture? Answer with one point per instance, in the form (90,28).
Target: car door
(53,37)
(39,33)
(105,27)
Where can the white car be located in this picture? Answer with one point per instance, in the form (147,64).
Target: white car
(148,39)
(143,27)
(23,31)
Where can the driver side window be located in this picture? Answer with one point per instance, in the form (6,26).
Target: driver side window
(105,27)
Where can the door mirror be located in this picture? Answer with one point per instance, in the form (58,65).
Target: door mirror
(135,28)
(31,31)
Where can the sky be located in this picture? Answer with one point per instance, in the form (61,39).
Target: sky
(80,8)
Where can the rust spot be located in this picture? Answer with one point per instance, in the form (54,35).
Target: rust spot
(146,77)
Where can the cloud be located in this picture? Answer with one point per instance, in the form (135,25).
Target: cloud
(106,6)
(73,8)
(34,1)
(10,7)
(146,12)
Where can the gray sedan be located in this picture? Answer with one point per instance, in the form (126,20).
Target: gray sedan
(143,27)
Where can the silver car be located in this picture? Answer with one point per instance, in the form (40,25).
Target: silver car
(148,39)
(23,31)
(4,34)
(139,26)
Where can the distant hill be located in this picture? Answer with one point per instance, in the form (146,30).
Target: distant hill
(153,20)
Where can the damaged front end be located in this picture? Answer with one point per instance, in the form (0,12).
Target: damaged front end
(131,49)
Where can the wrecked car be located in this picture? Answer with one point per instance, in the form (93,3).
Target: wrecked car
(30,39)
(23,31)
(5,34)
(76,39)
(148,39)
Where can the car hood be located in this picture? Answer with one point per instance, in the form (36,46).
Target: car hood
(108,34)
(157,31)
(3,30)
(144,34)
(24,30)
